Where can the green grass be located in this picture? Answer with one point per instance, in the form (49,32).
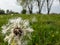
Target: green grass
(46,29)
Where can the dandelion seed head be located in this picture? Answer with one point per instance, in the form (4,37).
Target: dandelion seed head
(16,30)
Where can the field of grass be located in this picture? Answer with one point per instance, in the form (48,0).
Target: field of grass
(46,28)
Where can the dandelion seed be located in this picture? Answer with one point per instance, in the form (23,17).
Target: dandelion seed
(17,31)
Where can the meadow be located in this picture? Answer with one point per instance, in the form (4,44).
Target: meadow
(46,28)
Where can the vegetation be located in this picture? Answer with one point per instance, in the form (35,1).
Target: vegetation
(29,4)
(7,12)
(2,11)
(23,11)
(46,28)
